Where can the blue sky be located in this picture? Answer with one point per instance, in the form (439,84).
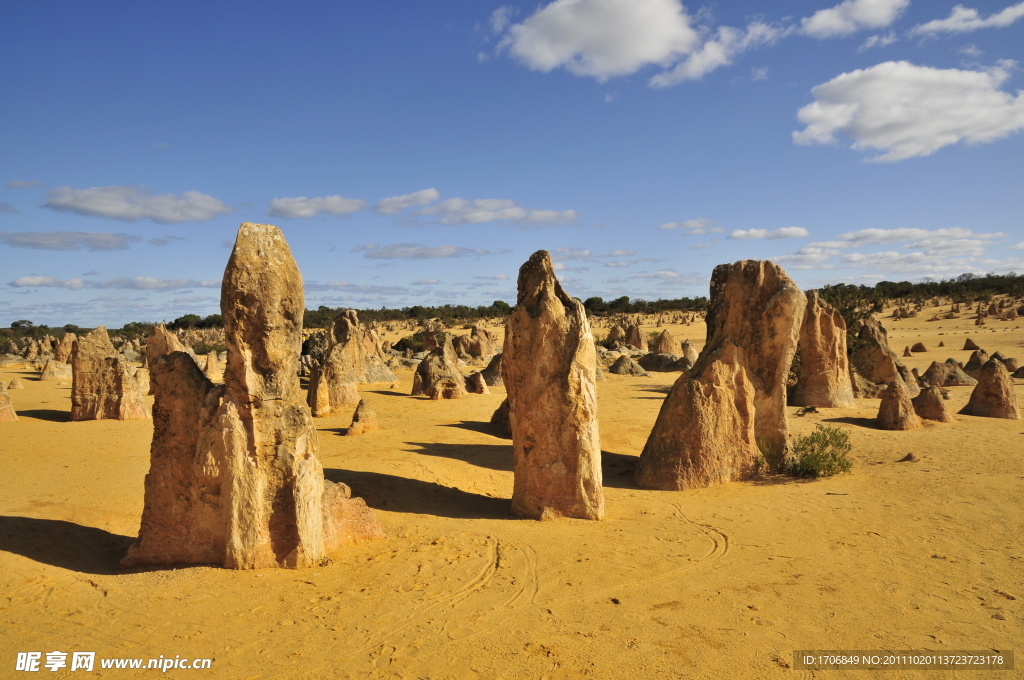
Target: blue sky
(418,152)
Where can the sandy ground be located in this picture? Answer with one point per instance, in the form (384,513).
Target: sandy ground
(717,583)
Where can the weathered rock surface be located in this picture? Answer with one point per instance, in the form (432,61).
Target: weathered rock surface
(62,352)
(479,343)
(102,387)
(476,384)
(7,413)
(896,412)
(16,384)
(235,478)
(635,337)
(931,406)
(548,368)
(663,363)
(141,376)
(918,347)
(947,374)
(55,370)
(213,369)
(875,361)
(993,396)
(666,344)
(500,419)
(970,344)
(492,374)
(973,366)
(363,420)
(690,352)
(907,352)
(710,424)
(626,366)
(616,334)
(438,375)
(353,356)
(824,367)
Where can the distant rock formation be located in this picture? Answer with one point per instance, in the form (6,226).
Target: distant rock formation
(625,365)
(7,413)
(353,356)
(55,370)
(235,478)
(62,352)
(666,344)
(876,363)
(973,366)
(734,397)
(690,352)
(102,387)
(931,406)
(363,420)
(438,375)
(918,347)
(500,419)
(947,374)
(16,384)
(635,337)
(993,396)
(896,412)
(492,374)
(478,344)
(970,344)
(824,367)
(548,368)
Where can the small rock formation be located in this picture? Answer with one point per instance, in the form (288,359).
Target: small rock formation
(941,343)
(492,374)
(213,370)
(930,405)
(663,363)
(919,347)
(947,374)
(141,376)
(438,375)
(876,362)
(161,341)
(476,384)
(635,337)
(666,344)
(616,334)
(907,352)
(980,321)
(102,387)
(1019,373)
(970,344)
(500,419)
(896,412)
(55,370)
(363,420)
(690,352)
(62,352)
(824,367)
(479,343)
(7,413)
(734,397)
(993,396)
(625,365)
(353,356)
(549,375)
(16,384)
(973,366)
(1009,362)
(235,478)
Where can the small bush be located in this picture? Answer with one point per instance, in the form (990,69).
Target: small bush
(822,453)
(769,460)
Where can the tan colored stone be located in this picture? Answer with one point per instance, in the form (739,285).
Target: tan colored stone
(16,384)
(875,361)
(635,337)
(690,352)
(363,420)
(212,369)
(500,419)
(918,347)
(141,376)
(973,366)
(616,334)
(896,412)
(476,384)
(478,344)
(102,387)
(947,374)
(353,356)
(931,406)
(907,352)
(438,375)
(824,366)
(62,352)
(666,344)
(492,374)
(994,395)
(970,344)
(7,413)
(235,477)
(55,370)
(548,369)
(734,397)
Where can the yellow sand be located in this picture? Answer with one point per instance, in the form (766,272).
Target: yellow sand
(718,583)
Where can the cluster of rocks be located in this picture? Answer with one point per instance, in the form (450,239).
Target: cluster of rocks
(235,478)
(354,356)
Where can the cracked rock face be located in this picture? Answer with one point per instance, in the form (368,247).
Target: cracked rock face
(993,396)
(824,367)
(876,363)
(102,386)
(548,367)
(734,397)
(235,478)
(354,356)
(438,375)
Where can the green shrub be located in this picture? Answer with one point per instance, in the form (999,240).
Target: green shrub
(822,453)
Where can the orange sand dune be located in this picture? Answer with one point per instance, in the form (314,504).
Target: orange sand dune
(717,583)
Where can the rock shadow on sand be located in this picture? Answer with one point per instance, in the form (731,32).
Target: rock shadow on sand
(52,415)
(869,423)
(401,494)
(490,456)
(67,545)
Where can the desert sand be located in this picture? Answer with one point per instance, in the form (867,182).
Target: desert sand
(723,582)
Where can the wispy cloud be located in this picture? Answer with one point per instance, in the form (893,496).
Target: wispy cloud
(852,16)
(480,211)
(135,283)
(698,226)
(7,208)
(415,251)
(136,203)
(784,232)
(26,184)
(965,19)
(68,240)
(396,204)
(301,206)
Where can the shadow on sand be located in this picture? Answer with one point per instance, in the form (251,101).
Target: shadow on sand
(63,544)
(53,415)
(490,456)
(400,494)
(869,423)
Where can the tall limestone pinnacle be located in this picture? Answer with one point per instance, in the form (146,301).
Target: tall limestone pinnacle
(548,367)
(235,477)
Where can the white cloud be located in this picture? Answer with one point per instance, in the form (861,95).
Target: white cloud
(970,51)
(701,246)
(360,288)
(136,203)
(396,204)
(858,238)
(426,282)
(784,232)
(851,16)
(1019,246)
(415,251)
(908,111)
(500,18)
(602,38)
(620,253)
(809,257)
(617,263)
(496,277)
(26,184)
(695,227)
(311,207)
(68,240)
(964,19)
(7,208)
(480,211)
(565,253)
(726,44)
(878,41)
(757,74)
(135,283)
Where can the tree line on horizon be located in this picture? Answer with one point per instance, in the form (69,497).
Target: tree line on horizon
(853,302)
